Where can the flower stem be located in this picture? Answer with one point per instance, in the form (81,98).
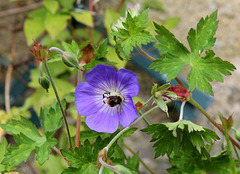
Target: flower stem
(59,103)
(126,128)
(56,49)
(194,103)
(140,159)
(79,80)
(181,111)
(144,54)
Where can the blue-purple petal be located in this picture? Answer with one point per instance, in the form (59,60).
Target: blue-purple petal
(105,120)
(103,77)
(127,83)
(88,99)
(127,112)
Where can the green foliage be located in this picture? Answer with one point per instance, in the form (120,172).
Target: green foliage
(100,52)
(176,55)
(51,6)
(55,164)
(29,139)
(3,150)
(84,18)
(84,158)
(52,19)
(133,34)
(56,23)
(133,163)
(170,137)
(186,145)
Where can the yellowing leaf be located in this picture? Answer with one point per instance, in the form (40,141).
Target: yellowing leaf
(112,56)
(33,28)
(84,18)
(52,6)
(55,24)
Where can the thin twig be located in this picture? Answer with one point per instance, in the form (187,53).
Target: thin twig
(14,11)
(9,74)
(59,103)
(194,103)
(144,54)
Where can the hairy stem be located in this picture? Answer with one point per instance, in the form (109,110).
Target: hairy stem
(140,159)
(126,128)
(79,80)
(194,103)
(145,54)
(59,103)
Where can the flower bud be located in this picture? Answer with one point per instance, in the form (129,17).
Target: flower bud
(44,82)
(237,135)
(39,52)
(70,60)
(119,169)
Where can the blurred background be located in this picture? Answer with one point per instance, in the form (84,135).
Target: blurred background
(20,93)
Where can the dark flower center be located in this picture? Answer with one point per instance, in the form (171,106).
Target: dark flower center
(114,100)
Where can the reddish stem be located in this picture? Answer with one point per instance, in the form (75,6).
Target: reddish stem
(78,130)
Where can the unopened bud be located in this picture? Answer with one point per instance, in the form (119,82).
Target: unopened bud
(119,169)
(237,135)
(70,60)
(44,82)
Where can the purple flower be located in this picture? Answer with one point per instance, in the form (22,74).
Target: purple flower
(106,98)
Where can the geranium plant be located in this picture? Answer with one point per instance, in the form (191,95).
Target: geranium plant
(105,99)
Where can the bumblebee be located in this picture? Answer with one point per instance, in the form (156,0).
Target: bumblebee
(114,100)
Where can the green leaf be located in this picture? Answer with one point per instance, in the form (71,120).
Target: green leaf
(161,104)
(55,164)
(172,22)
(113,57)
(3,150)
(134,33)
(51,118)
(34,25)
(51,5)
(84,18)
(102,50)
(67,4)
(73,48)
(56,23)
(28,139)
(175,55)
(84,158)
(202,38)
(171,138)
(133,162)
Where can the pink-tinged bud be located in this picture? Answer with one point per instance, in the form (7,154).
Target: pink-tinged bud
(39,52)
(181,92)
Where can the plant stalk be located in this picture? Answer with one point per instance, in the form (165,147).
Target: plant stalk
(194,103)
(59,102)
(126,128)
